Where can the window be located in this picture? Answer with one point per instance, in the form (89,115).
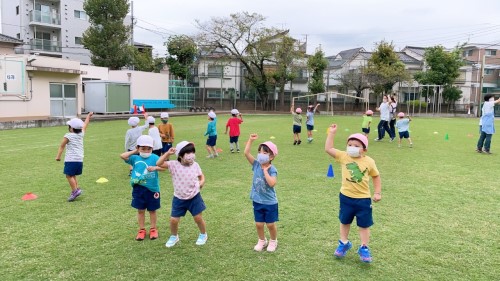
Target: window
(17,10)
(491,52)
(215,71)
(467,53)
(18,36)
(80,15)
(78,41)
(211,93)
(488,71)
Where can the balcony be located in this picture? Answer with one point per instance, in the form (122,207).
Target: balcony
(52,19)
(45,45)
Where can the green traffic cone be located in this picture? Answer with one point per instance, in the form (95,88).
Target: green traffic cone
(446,137)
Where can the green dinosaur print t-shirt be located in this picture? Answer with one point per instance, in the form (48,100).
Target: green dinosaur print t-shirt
(356,173)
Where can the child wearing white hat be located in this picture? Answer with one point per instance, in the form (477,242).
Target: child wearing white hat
(134,133)
(154,132)
(211,134)
(166,132)
(188,180)
(233,124)
(145,184)
(73,160)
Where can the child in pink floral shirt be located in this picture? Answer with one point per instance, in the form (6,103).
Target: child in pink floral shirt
(187,179)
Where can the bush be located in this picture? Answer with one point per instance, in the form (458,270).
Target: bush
(417,103)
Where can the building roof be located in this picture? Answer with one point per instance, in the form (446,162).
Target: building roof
(142,45)
(343,57)
(417,50)
(402,57)
(8,39)
(481,46)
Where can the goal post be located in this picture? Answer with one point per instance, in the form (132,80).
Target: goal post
(327,99)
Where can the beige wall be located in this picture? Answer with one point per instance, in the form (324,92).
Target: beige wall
(143,85)
(95,72)
(6,49)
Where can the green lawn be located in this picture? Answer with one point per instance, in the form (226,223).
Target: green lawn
(438,218)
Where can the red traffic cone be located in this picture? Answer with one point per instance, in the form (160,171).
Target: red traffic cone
(135,109)
(29,196)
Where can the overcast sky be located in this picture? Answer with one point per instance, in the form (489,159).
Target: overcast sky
(335,25)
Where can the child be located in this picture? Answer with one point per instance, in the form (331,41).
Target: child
(367,121)
(73,160)
(263,193)
(212,135)
(188,180)
(166,133)
(134,133)
(310,121)
(234,129)
(155,134)
(145,184)
(297,124)
(403,126)
(355,191)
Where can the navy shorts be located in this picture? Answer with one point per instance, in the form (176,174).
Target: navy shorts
(166,147)
(73,168)
(212,140)
(143,198)
(265,213)
(310,127)
(297,129)
(404,134)
(361,208)
(234,139)
(157,152)
(365,130)
(194,205)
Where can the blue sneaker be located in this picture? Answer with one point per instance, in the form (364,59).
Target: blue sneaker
(202,239)
(342,249)
(172,241)
(364,254)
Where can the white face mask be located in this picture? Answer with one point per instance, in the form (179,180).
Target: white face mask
(189,158)
(492,99)
(262,158)
(353,151)
(145,154)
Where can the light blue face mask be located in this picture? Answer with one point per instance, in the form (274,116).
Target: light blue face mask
(262,158)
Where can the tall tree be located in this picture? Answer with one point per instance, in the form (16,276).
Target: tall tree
(244,37)
(354,80)
(107,37)
(142,60)
(317,65)
(287,60)
(181,55)
(385,69)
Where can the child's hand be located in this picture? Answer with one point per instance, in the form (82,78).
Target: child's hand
(152,168)
(253,137)
(377,197)
(333,129)
(58,158)
(171,151)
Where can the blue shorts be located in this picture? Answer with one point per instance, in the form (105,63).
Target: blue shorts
(361,208)
(365,130)
(234,139)
(310,127)
(265,213)
(73,168)
(194,205)
(166,147)
(143,198)
(212,140)
(297,129)
(404,134)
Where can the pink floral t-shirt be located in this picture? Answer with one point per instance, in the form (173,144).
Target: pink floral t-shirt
(185,179)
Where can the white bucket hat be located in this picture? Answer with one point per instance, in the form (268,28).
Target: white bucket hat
(164,115)
(235,111)
(75,123)
(133,121)
(212,115)
(151,119)
(145,140)
(180,146)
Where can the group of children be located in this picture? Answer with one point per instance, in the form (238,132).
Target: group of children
(188,179)
(402,124)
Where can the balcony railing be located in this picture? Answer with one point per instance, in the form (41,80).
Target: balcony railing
(45,45)
(44,17)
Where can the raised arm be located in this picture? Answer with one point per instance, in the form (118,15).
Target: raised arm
(87,121)
(126,155)
(248,145)
(163,160)
(329,147)
(316,107)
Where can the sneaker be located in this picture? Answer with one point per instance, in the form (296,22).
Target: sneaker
(309,140)
(172,241)
(411,144)
(364,254)
(141,235)
(216,155)
(487,152)
(153,233)
(342,249)
(232,150)
(377,139)
(273,244)
(202,239)
(295,143)
(238,150)
(299,142)
(261,244)
(392,139)
(479,150)
(210,156)
(74,194)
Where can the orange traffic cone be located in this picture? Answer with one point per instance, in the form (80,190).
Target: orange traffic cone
(29,196)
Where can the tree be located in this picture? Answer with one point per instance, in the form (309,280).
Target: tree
(354,80)
(451,94)
(244,37)
(142,60)
(182,51)
(317,65)
(286,59)
(385,69)
(107,37)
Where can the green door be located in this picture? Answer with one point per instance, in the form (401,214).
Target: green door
(118,98)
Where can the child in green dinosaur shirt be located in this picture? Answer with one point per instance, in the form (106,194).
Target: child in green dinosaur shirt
(355,197)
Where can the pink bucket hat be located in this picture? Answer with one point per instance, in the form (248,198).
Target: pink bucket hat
(369,112)
(401,114)
(298,110)
(272,147)
(362,138)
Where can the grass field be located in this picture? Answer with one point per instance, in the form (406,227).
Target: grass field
(438,218)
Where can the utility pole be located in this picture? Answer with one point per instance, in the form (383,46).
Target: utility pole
(132,26)
(480,95)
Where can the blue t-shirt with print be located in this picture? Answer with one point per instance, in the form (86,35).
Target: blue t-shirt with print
(261,192)
(141,175)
